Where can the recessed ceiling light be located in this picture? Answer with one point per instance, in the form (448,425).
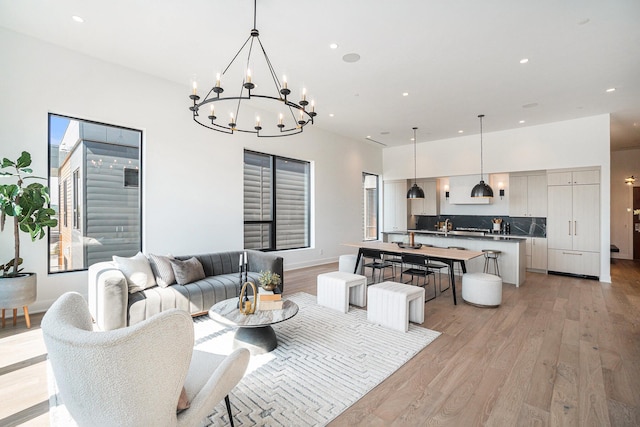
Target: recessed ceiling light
(77,18)
(611,89)
(368,136)
(521,121)
(460,131)
(405,93)
(330,114)
(351,57)
(524,60)
(333,45)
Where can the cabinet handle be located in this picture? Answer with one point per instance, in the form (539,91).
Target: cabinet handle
(569,228)
(575,228)
(571,253)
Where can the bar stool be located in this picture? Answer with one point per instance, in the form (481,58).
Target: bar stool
(491,254)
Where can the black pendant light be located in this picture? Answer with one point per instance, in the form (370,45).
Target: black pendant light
(415,192)
(481,189)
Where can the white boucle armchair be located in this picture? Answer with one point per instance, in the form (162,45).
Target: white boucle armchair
(133,376)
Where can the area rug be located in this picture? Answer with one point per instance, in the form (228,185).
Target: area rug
(325,362)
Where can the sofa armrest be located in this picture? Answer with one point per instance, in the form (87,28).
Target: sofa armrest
(263,261)
(108,296)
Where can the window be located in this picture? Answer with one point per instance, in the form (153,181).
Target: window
(370,211)
(101,217)
(276,202)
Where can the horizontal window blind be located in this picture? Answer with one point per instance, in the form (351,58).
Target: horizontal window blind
(276,202)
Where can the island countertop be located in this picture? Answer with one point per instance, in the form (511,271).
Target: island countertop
(460,235)
(512,260)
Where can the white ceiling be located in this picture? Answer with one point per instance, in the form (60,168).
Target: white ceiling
(455,58)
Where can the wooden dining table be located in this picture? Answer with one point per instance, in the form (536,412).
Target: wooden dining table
(443,255)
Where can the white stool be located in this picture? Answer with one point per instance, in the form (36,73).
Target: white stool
(393,305)
(347,263)
(338,288)
(482,289)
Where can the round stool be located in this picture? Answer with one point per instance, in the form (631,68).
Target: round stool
(481,289)
(491,254)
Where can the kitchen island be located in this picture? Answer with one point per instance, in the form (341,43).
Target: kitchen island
(512,261)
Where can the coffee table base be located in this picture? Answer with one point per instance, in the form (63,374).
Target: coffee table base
(258,340)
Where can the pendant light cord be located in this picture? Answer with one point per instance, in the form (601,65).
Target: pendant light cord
(481,161)
(415,161)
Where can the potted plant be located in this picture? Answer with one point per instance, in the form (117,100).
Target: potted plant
(29,207)
(269,280)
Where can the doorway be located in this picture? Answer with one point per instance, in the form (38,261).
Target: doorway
(636,222)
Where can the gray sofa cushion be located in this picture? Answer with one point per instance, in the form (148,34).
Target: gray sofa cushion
(187,271)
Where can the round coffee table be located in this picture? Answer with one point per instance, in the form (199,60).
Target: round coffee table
(254,331)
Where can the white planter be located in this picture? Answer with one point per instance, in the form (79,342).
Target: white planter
(18,291)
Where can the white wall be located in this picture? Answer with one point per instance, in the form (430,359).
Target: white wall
(623,164)
(568,144)
(192,176)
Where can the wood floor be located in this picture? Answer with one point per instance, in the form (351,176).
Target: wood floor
(558,351)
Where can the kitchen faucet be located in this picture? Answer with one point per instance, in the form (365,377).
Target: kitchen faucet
(446,226)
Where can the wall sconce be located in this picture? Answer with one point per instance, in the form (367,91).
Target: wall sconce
(630,180)
(501,187)
(446,192)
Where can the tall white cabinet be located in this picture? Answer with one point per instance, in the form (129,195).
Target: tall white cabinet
(395,205)
(573,222)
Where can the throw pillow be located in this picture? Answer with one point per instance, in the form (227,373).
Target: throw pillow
(183,401)
(137,271)
(161,267)
(187,271)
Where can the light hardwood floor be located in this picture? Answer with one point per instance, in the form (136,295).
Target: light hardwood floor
(558,351)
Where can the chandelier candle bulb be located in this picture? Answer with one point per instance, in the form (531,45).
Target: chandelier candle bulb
(280,119)
(248,75)
(218,80)
(284,82)
(195,88)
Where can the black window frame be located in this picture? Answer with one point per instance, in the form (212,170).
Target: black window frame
(273,228)
(65,183)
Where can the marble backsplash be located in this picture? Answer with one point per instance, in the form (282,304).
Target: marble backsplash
(520,226)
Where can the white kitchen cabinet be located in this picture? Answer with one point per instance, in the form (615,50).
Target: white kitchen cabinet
(574,177)
(573,223)
(538,253)
(574,262)
(428,205)
(528,195)
(395,205)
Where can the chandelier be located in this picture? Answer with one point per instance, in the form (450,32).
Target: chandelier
(290,119)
